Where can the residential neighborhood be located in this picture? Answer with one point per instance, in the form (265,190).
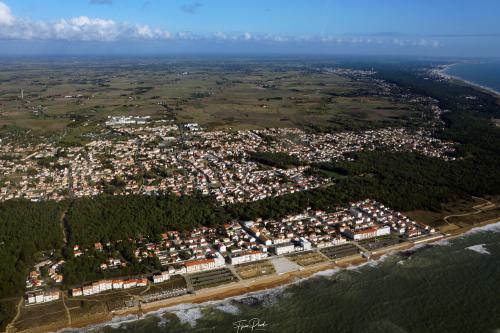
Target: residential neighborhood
(185,159)
(235,243)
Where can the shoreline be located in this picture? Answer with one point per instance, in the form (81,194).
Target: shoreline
(440,71)
(243,287)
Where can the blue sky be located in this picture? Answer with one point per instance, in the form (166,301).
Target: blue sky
(397,27)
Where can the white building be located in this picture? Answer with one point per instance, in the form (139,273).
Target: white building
(117,284)
(246,256)
(367,233)
(284,248)
(161,277)
(204,264)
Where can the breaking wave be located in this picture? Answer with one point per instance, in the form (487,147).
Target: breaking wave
(480,248)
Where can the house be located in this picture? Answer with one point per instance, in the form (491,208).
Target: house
(130,283)
(75,292)
(88,290)
(117,284)
(161,277)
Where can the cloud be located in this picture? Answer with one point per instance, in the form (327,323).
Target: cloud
(191,8)
(101,2)
(6,17)
(83,28)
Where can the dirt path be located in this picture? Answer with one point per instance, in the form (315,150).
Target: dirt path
(11,328)
(487,205)
(68,314)
(63,226)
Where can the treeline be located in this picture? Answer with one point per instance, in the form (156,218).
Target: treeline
(111,218)
(278,160)
(26,228)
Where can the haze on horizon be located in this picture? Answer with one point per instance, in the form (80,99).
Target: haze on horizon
(456,28)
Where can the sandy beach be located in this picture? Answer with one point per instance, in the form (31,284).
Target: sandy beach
(252,285)
(441,71)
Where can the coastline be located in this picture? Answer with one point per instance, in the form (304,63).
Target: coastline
(441,71)
(241,288)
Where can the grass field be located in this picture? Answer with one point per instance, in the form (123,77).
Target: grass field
(256,269)
(307,258)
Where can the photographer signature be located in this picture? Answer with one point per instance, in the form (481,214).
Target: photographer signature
(251,325)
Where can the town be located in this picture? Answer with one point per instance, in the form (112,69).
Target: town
(182,159)
(353,230)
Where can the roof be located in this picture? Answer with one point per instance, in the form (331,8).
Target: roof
(198,262)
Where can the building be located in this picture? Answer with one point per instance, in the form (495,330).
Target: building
(367,233)
(246,256)
(305,244)
(75,292)
(88,290)
(142,282)
(161,277)
(283,248)
(130,283)
(204,264)
(117,284)
(39,296)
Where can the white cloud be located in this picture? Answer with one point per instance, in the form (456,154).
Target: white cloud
(6,17)
(83,28)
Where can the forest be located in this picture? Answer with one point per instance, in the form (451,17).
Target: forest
(26,229)
(278,160)
(112,218)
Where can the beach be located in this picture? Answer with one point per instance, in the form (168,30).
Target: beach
(443,72)
(247,287)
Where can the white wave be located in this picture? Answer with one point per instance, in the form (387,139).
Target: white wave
(115,322)
(480,248)
(371,262)
(228,307)
(494,227)
(328,272)
(187,314)
(441,242)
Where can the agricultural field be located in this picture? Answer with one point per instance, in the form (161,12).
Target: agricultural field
(54,97)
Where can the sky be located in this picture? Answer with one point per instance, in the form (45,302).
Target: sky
(457,28)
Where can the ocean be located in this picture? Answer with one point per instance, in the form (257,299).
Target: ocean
(485,74)
(448,286)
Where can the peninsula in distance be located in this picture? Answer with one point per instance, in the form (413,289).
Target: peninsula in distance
(222,166)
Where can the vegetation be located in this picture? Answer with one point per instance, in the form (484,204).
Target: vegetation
(112,218)
(278,160)
(25,229)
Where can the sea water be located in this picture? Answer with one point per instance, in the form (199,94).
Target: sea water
(485,74)
(449,286)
